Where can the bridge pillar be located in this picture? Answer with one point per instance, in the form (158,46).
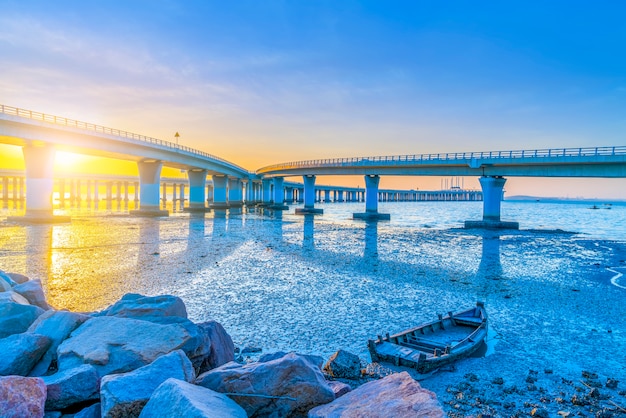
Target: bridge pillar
(492,187)
(289,195)
(219,192)
(235,192)
(327,196)
(371,201)
(266,192)
(39,162)
(149,182)
(197,190)
(309,197)
(279,194)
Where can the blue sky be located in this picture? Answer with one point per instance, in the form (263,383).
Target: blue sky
(261,82)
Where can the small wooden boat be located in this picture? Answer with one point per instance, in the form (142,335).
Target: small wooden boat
(434,344)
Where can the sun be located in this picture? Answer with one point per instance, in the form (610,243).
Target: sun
(65,161)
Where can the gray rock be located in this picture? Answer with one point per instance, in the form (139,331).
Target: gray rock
(222,349)
(5,285)
(56,325)
(118,345)
(339,388)
(18,278)
(133,305)
(15,318)
(125,394)
(13,297)
(289,386)
(396,395)
(33,292)
(20,352)
(92,411)
(70,387)
(175,398)
(317,361)
(344,365)
(22,397)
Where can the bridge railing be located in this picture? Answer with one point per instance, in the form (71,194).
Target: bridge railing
(59,120)
(461,157)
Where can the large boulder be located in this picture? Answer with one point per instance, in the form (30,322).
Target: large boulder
(92,411)
(56,325)
(13,297)
(175,398)
(17,277)
(133,305)
(70,387)
(288,386)
(343,364)
(339,388)
(20,353)
(33,292)
(15,318)
(221,349)
(5,284)
(118,345)
(397,395)
(22,397)
(125,394)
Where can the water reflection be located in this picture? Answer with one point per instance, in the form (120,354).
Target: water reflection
(39,241)
(196,229)
(308,239)
(370,252)
(490,266)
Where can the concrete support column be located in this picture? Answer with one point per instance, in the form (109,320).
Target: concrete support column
(197,182)
(249,191)
(309,197)
(371,201)
(492,187)
(327,196)
(289,195)
(219,192)
(149,182)
(266,192)
(279,194)
(5,188)
(235,192)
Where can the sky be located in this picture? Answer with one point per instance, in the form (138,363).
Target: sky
(264,82)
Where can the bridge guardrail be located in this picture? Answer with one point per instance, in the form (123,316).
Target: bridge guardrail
(59,120)
(465,157)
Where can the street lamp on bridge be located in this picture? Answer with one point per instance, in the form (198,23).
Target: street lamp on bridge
(176,135)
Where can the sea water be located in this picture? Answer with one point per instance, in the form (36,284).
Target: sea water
(315,284)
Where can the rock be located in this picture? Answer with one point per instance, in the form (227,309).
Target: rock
(92,411)
(18,278)
(589,375)
(611,383)
(15,318)
(22,397)
(498,381)
(125,394)
(33,291)
(5,285)
(251,350)
(133,305)
(56,325)
(72,386)
(13,297)
(222,349)
(290,386)
(540,413)
(317,361)
(339,388)
(20,353)
(396,395)
(343,364)
(118,345)
(175,398)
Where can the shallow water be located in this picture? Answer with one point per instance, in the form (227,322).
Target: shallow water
(318,284)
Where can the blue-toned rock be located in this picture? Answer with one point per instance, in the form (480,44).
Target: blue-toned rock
(343,364)
(69,387)
(92,411)
(125,394)
(133,305)
(397,395)
(176,398)
(221,347)
(56,325)
(13,297)
(118,345)
(317,361)
(15,318)
(290,386)
(33,292)
(20,353)
(6,284)
(18,278)
(22,397)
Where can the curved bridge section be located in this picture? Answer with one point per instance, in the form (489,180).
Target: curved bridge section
(40,135)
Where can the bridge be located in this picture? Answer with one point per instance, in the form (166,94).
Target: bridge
(40,135)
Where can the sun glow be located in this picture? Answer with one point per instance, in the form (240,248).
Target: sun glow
(65,161)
